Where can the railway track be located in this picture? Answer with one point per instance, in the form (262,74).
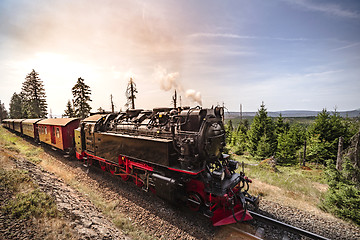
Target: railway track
(286,227)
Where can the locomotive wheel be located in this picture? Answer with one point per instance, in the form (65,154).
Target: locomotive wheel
(102,165)
(125,177)
(138,182)
(112,169)
(194,202)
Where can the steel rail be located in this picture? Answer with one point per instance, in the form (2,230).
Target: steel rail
(286,227)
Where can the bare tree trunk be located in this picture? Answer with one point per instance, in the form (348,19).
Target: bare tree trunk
(112,103)
(304,157)
(339,159)
(357,146)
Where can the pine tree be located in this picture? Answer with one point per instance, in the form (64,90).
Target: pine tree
(281,125)
(286,148)
(16,106)
(69,111)
(3,112)
(34,98)
(262,131)
(130,94)
(81,93)
(324,135)
(229,132)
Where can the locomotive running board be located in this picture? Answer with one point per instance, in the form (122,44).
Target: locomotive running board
(224,217)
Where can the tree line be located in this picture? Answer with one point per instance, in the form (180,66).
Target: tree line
(317,143)
(31,101)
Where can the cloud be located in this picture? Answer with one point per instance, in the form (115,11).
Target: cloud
(194,96)
(168,81)
(236,36)
(345,47)
(331,9)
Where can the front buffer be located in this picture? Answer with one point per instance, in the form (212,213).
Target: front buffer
(224,201)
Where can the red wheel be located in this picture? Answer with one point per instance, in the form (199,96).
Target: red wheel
(138,182)
(102,166)
(125,177)
(112,169)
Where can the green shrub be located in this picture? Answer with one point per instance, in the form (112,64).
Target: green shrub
(11,180)
(34,204)
(343,196)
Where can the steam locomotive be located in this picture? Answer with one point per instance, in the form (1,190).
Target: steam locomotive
(176,153)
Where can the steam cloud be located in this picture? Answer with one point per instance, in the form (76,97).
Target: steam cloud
(193,95)
(168,81)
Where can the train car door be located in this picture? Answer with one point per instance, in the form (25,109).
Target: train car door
(52,133)
(89,137)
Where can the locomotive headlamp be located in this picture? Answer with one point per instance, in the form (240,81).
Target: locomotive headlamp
(233,165)
(219,174)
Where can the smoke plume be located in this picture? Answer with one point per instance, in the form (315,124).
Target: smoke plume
(167,81)
(193,96)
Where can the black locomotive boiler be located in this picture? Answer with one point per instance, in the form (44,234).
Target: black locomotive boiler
(175,153)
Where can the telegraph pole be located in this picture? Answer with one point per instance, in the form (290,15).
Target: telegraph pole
(241,112)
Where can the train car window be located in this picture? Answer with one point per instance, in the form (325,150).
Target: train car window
(45,130)
(57,132)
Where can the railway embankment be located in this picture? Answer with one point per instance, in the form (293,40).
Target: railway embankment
(74,216)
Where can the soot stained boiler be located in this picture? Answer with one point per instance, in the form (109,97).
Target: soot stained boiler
(174,152)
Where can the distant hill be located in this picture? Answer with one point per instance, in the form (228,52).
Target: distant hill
(292,113)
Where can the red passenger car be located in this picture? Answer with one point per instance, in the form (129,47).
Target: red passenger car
(58,132)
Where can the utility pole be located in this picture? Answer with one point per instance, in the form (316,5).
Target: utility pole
(223,117)
(112,103)
(240,112)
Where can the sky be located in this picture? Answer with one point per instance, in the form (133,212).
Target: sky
(289,54)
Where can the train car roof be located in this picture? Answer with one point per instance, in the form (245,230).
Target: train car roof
(57,121)
(29,121)
(18,120)
(8,120)
(94,118)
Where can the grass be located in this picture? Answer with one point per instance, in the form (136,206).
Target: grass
(14,180)
(17,144)
(31,204)
(28,200)
(120,220)
(37,155)
(292,179)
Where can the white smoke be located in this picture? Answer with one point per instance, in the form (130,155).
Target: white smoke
(194,95)
(169,81)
